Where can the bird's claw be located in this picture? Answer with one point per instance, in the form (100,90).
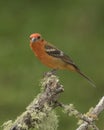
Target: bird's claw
(52,72)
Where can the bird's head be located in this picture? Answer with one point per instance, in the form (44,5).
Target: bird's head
(35,37)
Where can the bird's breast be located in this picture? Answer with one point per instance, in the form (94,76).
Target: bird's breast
(50,61)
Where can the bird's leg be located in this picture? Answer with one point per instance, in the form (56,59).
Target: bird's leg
(53,71)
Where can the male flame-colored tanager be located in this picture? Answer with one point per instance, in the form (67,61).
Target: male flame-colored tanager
(53,57)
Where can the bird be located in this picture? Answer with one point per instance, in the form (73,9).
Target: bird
(53,57)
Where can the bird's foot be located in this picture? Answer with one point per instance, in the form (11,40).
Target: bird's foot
(52,72)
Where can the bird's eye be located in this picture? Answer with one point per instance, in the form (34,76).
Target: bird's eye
(38,37)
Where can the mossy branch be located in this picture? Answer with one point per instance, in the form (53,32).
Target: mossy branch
(91,116)
(40,112)
(85,121)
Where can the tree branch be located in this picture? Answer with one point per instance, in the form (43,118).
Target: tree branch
(39,112)
(92,116)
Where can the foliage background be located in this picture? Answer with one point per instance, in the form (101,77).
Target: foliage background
(76,27)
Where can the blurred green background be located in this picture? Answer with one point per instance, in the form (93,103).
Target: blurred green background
(76,27)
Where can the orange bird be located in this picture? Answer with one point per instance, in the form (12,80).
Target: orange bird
(53,57)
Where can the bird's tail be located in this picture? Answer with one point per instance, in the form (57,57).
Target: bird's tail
(88,79)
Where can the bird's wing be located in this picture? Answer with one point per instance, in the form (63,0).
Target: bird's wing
(53,51)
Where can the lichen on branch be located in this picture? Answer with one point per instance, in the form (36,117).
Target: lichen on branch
(39,114)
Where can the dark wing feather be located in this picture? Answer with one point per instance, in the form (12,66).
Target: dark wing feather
(53,51)
(68,60)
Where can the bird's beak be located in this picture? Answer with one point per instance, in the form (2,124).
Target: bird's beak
(33,40)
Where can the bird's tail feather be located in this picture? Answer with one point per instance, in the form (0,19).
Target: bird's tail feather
(88,79)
